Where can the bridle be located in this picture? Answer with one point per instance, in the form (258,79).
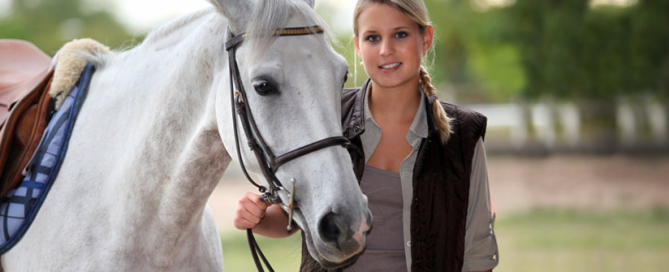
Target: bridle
(269,163)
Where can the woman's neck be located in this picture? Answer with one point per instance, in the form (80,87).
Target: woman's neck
(394,104)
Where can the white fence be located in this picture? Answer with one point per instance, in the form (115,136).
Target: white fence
(560,126)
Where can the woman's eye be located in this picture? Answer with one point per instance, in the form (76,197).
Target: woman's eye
(373,38)
(263,87)
(401,34)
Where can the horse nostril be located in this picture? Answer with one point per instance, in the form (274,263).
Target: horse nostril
(329,228)
(370,221)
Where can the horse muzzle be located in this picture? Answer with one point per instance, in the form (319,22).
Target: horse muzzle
(341,238)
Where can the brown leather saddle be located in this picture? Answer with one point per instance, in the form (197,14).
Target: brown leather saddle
(25,75)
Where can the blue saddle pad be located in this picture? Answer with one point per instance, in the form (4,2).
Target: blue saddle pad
(20,206)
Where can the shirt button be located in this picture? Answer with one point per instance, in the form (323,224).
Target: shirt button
(409,243)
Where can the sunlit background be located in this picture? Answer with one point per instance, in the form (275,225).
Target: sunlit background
(577,96)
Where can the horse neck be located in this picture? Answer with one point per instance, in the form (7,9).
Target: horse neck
(176,156)
(179,104)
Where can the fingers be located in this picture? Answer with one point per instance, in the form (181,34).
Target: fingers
(250,211)
(255,198)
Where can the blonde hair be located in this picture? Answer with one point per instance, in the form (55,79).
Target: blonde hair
(416,11)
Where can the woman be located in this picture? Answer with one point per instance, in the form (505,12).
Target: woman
(424,169)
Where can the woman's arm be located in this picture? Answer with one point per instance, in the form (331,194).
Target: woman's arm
(481,252)
(254,214)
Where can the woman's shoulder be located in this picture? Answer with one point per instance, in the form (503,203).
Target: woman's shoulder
(467,120)
(352,98)
(351,109)
(350,93)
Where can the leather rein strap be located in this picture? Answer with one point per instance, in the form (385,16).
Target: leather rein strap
(268,162)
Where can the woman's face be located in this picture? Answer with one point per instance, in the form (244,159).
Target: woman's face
(391,46)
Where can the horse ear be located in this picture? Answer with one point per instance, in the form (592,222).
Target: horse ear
(311,3)
(238,12)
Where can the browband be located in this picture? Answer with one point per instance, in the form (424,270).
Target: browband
(289,31)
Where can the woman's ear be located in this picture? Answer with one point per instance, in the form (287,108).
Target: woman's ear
(357,46)
(357,49)
(428,35)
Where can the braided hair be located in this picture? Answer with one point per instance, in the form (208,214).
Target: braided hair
(441,120)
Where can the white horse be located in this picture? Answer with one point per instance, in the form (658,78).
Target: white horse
(154,137)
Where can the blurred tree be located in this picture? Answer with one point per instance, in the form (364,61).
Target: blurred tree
(494,59)
(50,24)
(593,55)
(527,17)
(550,36)
(605,68)
(474,54)
(605,59)
(569,50)
(649,47)
(561,47)
(450,44)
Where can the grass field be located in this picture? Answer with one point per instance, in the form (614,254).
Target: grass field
(540,240)
(282,254)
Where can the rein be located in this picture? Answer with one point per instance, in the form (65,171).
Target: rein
(268,162)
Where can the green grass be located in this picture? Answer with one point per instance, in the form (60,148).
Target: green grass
(540,240)
(282,254)
(554,240)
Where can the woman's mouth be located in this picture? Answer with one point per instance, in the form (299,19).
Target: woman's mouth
(390,66)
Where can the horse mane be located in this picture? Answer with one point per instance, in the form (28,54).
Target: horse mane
(268,16)
(168,28)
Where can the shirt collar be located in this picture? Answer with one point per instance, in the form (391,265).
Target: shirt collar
(419,125)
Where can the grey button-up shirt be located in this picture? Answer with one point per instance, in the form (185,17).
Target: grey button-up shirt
(480,242)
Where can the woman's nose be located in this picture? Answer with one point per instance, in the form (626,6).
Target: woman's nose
(387,48)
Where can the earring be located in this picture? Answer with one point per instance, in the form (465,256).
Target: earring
(361,63)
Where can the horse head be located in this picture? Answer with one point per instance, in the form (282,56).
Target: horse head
(292,88)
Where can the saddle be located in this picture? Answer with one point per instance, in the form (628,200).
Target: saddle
(25,76)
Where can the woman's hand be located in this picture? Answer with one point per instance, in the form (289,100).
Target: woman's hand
(270,221)
(250,211)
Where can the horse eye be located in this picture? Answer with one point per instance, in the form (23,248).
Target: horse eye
(346,75)
(263,87)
